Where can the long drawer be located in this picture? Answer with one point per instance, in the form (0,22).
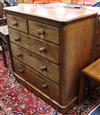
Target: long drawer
(45,32)
(17,23)
(44,85)
(42,48)
(46,68)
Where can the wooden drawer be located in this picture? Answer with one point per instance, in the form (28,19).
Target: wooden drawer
(46,86)
(17,23)
(41,65)
(42,48)
(45,32)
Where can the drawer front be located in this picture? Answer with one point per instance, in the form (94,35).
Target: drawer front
(45,32)
(42,48)
(17,23)
(46,86)
(41,65)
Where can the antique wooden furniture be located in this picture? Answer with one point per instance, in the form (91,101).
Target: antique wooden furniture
(93,72)
(49,46)
(97,40)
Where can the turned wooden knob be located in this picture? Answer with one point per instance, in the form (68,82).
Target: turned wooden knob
(22,69)
(45,86)
(17,38)
(41,33)
(14,23)
(43,68)
(42,49)
(19,55)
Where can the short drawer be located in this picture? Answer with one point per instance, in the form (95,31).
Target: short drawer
(17,23)
(44,85)
(40,47)
(45,32)
(46,68)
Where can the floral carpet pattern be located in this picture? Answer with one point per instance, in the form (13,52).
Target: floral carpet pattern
(15,99)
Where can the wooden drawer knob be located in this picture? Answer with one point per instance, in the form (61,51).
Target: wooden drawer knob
(45,86)
(17,38)
(43,68)
(42,49)
(41,33)
(22,69)
(14,23)
(19,55)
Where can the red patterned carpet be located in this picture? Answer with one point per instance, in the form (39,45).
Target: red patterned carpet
(15,99)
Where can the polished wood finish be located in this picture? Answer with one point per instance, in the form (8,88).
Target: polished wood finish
(97,52)
(98,34)
(77,56)
(44,32)
(17,23)
(69,32)
(82,90)
(36,79)
(51,12)
(41,65)
(97,39)
(93,72)
(35,45)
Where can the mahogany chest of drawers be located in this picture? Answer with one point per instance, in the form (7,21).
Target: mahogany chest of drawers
(50,49)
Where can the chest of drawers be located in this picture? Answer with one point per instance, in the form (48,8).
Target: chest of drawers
(49,52)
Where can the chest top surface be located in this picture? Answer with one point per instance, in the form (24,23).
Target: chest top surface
(52,12)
